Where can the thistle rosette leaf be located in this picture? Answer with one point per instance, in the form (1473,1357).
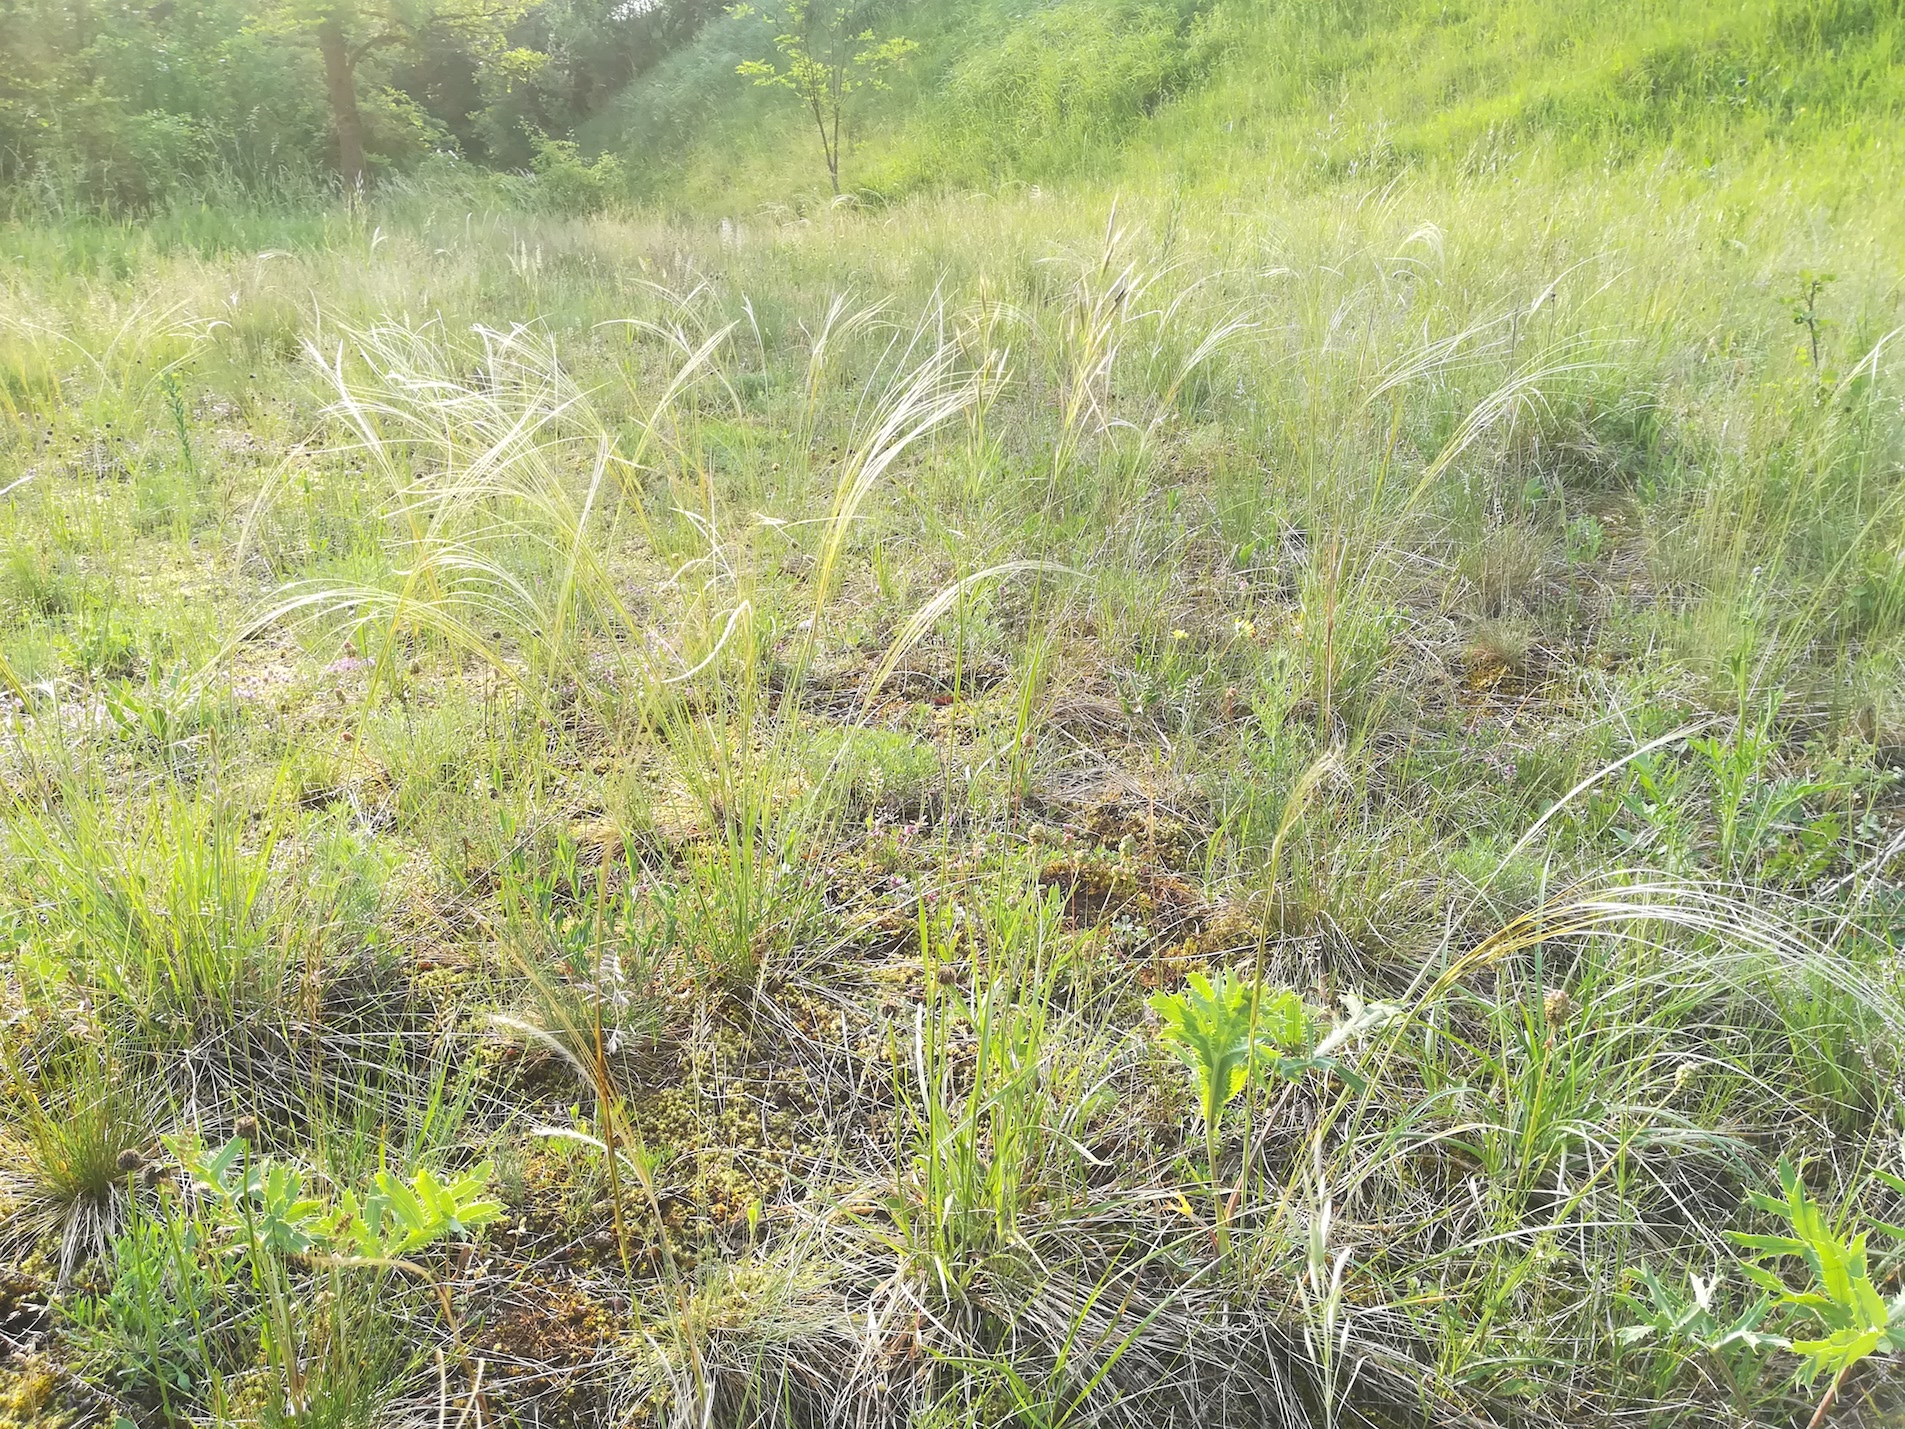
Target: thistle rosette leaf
(1226,1031)
(1840,1299)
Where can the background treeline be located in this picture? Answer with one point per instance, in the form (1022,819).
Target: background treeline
(131,105)
(128,104)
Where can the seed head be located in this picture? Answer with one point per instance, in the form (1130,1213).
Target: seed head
(129,1161)
(247,1128)
(1556,1006)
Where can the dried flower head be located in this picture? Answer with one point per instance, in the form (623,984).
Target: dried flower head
(1556,1006)
(247,1128)
(129,1161)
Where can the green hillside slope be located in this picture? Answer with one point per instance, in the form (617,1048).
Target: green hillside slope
(1206,94)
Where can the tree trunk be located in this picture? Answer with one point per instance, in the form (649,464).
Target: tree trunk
(833,149)
(340,78)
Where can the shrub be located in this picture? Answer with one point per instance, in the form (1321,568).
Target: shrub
(566,184)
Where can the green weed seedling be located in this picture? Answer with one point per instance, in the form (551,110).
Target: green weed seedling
(1803,305)
(398,1219)
(1675,1325)
(1840,1304)
(1232,1030)
(266,1199)
(1841,1300)
(166,717)
(164,1325)
(263,1213)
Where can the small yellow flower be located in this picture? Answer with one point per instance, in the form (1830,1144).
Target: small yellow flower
(1244,628)
(1180,635)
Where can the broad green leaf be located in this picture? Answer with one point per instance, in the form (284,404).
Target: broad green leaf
(1837,1352)
(1897,1183)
